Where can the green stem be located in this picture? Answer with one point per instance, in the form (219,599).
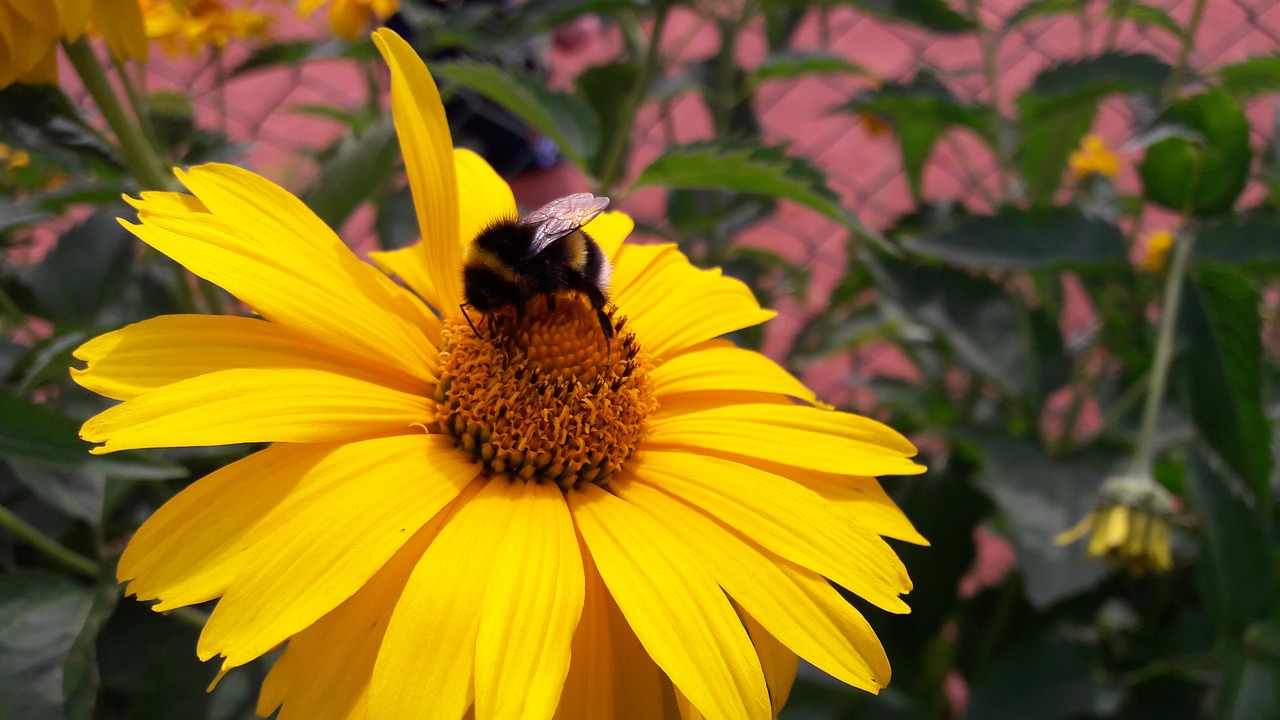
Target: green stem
(136,100)
(47,545)
(1113,28)
(1173,283)
(615,149)
(191,616)
(139,155)
(1184,54)
(9,307)
(987,46)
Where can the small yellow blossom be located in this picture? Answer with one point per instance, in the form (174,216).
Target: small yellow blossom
(202,24)
(14,158)
(1156,251)
(1130,528)
(1093,158)
(349,18)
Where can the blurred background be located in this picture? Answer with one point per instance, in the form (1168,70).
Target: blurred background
(1041,238)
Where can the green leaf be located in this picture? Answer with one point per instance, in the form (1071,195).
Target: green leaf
(301,51)
(36,434)
(564,118)
(921,112)
(935,15)
(1249,239)
(84,273)
(1060,106)
(1042,677)
(743,168)
(1204,175)
(76,493)
(1144,14)
(607,89)
(1235,569)
(792,64)
(80,674)
(355,170)
(47,120)
(397,222)
(1222,371)
(1014,239)
(1040,498)
(41,618)
(1037,9)
(1258,75)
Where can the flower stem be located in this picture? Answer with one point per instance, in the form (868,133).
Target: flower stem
(1184,54)
(615,148)
(139,155)
(1173,283)
(47,545)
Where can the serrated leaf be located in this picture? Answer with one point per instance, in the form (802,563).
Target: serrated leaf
(935,15)
(1222,367)
(41,617)
(564,118)
(1060,106)
(921,111)
(1037,9)
(301,51)
(84,273)
(358,166)
(1253,76)
(1014,239)
(792,64)
(1206,176)
(1235,572)
(1249,239)
(1144,14)
(752,169)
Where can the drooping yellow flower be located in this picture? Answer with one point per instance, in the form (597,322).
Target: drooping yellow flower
(30,31)
(1156,251)
(1130,528)
(203,24)
(1093,157)
(350,18)
(522,521)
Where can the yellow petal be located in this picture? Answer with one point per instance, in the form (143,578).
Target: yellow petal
(153,353)
(427,147)
(299,290)
(672,305)
(830,441)
(256,405)
(859,498)
(426,666)
(531,607)
(190,549)
(782,517)
(679,614)
(327,538)
(337,652)
(641,690)
(588,688)
(121,25)
(724,367)
(795,605)
(483,196)
(609,230)
(779,663)
(74,16)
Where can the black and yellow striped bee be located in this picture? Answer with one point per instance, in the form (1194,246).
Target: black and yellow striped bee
(544,253)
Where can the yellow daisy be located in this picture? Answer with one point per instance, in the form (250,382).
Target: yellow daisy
(205,23)
(30,31)
(520,522)
(350,18)
(1155,251)
(1093,157)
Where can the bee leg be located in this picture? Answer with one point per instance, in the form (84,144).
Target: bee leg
(463,308)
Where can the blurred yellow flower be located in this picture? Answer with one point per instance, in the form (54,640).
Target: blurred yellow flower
(350,18)
(1093,158)
(14,158)
(1156,251)
(30,31)
(524,522)
(1130,528)
(202,24)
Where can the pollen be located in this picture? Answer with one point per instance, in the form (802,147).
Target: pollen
(539,394)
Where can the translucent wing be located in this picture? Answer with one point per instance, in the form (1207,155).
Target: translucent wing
(561,217)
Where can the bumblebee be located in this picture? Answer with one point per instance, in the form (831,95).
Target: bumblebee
(543,253)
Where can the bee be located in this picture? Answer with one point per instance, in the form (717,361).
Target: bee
(543,253)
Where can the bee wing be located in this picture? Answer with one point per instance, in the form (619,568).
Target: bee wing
(561,217)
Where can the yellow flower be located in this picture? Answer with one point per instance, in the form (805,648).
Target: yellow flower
(1156,251)
(524,521)
(204,23)
(349,18)
(14,158)
(1130,528)
(30,31)
(1093,157)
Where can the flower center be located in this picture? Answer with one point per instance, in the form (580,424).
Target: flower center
(539,394)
